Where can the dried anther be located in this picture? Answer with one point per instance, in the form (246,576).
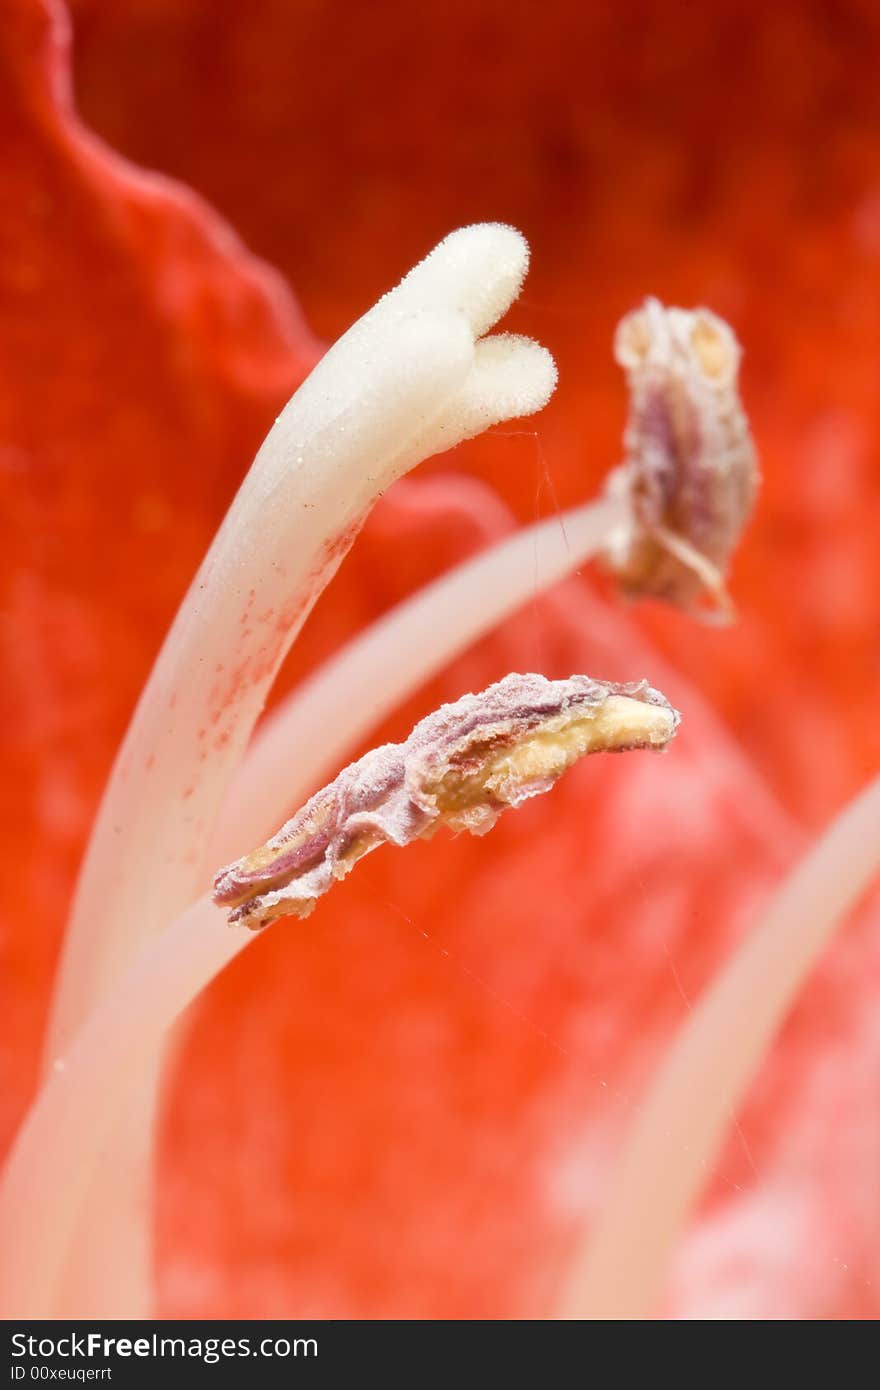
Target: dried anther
(461,767)
(690,473)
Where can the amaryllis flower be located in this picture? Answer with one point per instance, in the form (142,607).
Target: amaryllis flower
(418,1101)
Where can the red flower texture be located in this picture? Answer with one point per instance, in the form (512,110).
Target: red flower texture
(412,1103)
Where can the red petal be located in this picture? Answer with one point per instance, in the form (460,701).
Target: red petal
(368,1119)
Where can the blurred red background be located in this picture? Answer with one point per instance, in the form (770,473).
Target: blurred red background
(359,1124)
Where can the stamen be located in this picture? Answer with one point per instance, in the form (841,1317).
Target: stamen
(690,475)
(461,767)
(313,729)
(464,765)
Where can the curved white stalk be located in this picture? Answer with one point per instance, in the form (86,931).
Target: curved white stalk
(407,379)
(679,1132)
